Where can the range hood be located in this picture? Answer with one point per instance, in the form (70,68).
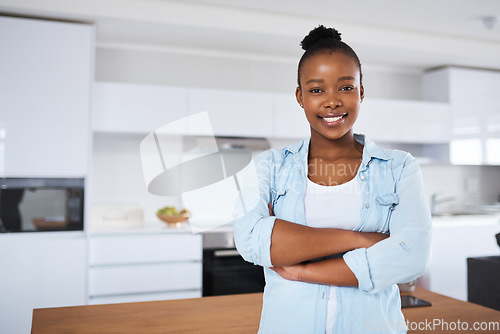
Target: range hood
(242,143)
(195,162)
(253,144)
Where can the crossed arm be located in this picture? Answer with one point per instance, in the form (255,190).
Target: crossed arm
(284,246)
(292,244)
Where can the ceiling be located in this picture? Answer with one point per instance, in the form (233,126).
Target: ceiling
(395,33)
(459,18)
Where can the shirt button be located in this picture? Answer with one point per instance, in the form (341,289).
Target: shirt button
(362,177)
(367,205)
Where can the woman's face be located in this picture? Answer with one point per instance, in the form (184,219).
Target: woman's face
(331,93)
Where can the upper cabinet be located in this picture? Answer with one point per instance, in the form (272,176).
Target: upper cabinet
(121,107)
(133,108)
(474,99)
(45,74)
(234,113)
(404,121)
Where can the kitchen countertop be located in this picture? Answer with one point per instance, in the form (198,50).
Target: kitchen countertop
(157,227)
(237,314)
(466,220)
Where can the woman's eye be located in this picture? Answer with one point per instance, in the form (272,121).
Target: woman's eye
(315,90)
(347,88)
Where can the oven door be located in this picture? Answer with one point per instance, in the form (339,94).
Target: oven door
(226,273)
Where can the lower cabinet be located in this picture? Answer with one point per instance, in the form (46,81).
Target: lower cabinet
(144,267)
(39,270)
(454,239)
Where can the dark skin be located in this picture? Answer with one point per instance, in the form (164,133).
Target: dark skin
(331,93)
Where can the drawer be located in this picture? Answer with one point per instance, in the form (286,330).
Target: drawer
(144,278)
(144,297)
(121,249)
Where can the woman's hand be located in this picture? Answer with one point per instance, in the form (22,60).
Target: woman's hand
(329,272)
(270,208)
(292,273)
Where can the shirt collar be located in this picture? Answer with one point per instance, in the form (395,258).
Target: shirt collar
(370,149)
(302,147)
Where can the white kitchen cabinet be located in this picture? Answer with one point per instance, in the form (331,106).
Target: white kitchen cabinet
(454,239)
(404,121)
(132,267)
(144,278)
(475,111)
(234,113)
(134,108)
(289,118)
(45,73)
(39,270)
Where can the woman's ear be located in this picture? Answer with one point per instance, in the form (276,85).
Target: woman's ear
(298,96)
(362,92)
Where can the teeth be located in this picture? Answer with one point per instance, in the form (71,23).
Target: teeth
(333,119)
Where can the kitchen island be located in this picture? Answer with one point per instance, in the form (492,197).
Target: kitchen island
(240,314)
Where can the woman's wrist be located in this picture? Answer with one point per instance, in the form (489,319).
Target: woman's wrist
(329,272)
(359,240)
(302,272)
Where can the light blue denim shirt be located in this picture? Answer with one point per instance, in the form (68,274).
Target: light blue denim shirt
(393,202)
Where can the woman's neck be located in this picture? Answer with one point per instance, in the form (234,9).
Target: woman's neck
(332,149)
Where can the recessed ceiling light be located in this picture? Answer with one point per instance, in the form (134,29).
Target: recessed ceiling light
(490,21)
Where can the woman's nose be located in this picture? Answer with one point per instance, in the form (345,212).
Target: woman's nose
(332,101)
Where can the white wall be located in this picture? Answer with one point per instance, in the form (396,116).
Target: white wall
(117,175)
(469,185)
(117,178)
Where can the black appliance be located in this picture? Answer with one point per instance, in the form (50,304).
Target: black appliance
(225,272)
(483,285)
(41,204)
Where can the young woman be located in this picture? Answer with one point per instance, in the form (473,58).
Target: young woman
(338,220)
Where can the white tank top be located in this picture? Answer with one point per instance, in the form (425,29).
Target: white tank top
(333,206)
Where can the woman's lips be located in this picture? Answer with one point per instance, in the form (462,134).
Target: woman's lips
(333,120)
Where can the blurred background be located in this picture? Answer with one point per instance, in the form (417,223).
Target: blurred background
(82,83)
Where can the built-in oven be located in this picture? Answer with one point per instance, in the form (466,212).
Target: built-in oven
(225,272)
(41,204)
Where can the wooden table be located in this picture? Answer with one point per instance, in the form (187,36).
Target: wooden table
(448,310)
(232,314)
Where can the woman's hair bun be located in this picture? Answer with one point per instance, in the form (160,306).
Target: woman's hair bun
(320,35)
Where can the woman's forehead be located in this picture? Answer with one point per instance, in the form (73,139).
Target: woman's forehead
(330,64)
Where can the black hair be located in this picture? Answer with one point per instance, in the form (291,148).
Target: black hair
(325,40)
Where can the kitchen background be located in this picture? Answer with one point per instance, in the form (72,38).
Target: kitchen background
(431,76)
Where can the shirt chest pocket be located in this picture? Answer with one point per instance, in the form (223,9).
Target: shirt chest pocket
(386,203)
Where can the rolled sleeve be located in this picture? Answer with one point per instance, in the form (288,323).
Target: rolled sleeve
(357,261)
(255,245)
(404,255)
(253,226)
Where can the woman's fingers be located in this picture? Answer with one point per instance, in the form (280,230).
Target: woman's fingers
(270,207)
(291,273)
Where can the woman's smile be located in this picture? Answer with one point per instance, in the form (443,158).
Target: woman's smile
(333,119)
